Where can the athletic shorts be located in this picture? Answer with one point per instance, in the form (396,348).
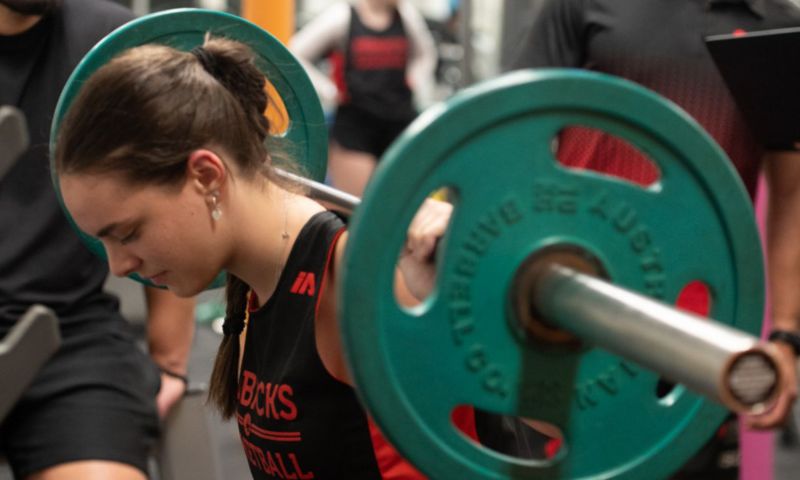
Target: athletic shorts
(94,400)
(356,129)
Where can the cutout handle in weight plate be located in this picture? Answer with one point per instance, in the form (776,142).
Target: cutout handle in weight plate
(184,29)
(491,145)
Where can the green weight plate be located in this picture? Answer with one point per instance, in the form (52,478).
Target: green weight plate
(492,145)
(306,135)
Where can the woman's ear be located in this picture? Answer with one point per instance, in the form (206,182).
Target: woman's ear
(206,170)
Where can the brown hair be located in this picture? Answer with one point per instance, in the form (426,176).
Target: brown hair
(141,114)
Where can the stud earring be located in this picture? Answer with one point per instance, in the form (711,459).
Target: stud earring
(216,212)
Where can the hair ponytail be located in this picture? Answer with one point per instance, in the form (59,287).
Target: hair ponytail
(232,64)
(223,389)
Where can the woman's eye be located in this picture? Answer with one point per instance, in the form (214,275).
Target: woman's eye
(129,238)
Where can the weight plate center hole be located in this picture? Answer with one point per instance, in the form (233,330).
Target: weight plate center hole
(529,323)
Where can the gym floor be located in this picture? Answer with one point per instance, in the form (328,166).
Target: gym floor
(233,463)
(225,436)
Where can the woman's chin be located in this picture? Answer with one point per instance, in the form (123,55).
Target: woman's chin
(191,287)
(184,291)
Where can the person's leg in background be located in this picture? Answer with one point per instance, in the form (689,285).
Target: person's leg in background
(350,170)
(358,140)
(90,414)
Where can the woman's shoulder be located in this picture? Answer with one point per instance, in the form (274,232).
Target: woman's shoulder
(337,13)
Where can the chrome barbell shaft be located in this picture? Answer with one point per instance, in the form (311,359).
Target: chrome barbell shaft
(710,358)
(319,191)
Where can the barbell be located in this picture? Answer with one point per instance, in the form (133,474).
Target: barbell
(533,248)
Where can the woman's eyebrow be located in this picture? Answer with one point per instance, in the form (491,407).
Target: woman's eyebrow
(105,231)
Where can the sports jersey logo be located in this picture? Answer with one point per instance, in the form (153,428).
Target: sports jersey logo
(267,399)
(304,284)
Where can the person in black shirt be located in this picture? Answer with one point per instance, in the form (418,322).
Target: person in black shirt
(660,45)
(383,59)
(92,410)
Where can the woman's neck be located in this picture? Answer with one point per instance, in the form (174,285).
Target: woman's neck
(376,14)
(264,234)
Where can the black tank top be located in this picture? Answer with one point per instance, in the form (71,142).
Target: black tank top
(375,69)
(297,421)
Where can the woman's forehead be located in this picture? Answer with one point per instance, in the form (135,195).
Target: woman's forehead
(97,199)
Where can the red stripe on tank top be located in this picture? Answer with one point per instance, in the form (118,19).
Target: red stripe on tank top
(277,436)
(337,74)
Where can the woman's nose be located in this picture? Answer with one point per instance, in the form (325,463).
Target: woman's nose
(121,263)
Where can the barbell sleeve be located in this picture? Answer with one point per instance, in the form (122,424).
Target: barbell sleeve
(708,357)
(732,367)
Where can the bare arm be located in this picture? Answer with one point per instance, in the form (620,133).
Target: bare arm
(414,280)
(783,240)
(423,56)
(170,330)
(326,32)
(783,266)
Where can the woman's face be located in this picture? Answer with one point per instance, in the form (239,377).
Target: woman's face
(163,234)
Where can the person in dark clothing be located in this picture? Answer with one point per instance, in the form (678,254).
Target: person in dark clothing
(660,45)
(92,410)
(214,195)
(384,60)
